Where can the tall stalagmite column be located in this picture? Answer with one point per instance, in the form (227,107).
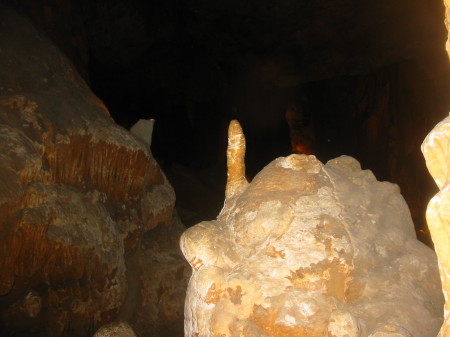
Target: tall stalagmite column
(436,150)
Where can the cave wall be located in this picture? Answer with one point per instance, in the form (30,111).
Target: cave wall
(381,118)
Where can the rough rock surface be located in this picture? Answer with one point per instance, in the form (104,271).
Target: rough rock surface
(436,150)
(115,329)
(77,196)
(155,307)
(308,249)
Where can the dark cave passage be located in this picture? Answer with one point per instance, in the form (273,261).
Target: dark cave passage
(360,83)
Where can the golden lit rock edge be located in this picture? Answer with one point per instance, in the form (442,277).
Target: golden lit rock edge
(436,150)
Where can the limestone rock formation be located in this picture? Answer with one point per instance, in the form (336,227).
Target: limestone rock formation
(236,180)
(436,150)
(116,329)
(79,196)
(308,249)
(155,308)
(143,129)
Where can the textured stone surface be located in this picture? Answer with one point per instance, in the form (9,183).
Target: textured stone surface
(77,195)
(310,250)
(143,129)
(116,329)
(155,306)
(436,150)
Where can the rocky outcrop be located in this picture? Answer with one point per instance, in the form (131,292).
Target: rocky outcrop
(436,151)
(308,249)
(78,197)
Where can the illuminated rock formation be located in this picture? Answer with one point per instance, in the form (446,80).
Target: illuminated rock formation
(79,198)
(436,150)
(308,249)
(236,180)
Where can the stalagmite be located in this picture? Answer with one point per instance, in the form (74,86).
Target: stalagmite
(309,249)
(436,150)
(236,180)
(143,129)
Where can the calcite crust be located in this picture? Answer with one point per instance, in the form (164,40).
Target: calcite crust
(308,249)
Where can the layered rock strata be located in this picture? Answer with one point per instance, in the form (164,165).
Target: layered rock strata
(308,249)
(79,197)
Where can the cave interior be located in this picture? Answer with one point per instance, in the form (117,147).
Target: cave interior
(367,79)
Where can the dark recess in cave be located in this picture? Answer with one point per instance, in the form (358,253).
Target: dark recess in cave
(367,79)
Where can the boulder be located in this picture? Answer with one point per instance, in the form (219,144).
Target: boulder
(309,249)
(78,194)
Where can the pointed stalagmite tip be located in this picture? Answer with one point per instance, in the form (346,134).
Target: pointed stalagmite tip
(235,160)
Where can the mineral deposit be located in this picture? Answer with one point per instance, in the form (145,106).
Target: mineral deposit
(311,249)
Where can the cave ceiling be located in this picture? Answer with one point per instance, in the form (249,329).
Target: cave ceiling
(197,49)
